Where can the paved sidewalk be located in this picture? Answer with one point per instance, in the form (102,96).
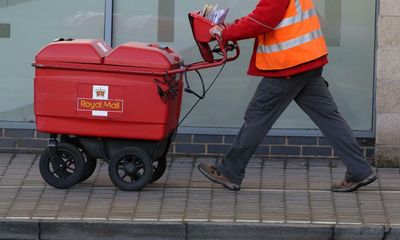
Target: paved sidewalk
(275,191)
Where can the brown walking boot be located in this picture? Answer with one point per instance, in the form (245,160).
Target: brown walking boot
(212,173)
(345,186)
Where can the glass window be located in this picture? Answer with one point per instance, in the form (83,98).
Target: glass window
(27,25)
(349,26)
(31,24)
(135,22)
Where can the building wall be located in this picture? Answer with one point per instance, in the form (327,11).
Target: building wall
(388,84)
(31,141)
(349,27)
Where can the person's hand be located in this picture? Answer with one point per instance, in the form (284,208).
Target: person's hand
(217,30)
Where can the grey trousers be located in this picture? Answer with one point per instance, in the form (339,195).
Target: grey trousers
(271,98)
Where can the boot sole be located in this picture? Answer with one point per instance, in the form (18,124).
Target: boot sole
(366,181)
(232,186)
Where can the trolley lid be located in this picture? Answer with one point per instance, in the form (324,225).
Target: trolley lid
(74,51)
(144,55)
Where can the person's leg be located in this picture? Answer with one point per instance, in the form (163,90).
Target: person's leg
(316,100)
(271,98)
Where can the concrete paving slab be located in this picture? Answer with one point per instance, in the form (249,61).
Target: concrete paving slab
(276,192)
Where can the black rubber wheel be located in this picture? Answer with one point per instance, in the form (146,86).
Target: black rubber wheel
(89,167)
(90,162)
(131,169)
(68,173)
(159,167)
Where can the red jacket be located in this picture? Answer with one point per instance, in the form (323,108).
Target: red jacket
(264,18)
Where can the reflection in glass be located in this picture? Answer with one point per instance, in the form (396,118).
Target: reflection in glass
(349,29)
(347,24)
(33,24)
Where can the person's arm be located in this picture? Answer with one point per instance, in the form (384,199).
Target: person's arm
(264,18)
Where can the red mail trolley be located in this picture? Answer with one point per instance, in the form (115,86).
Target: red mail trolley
(121,105)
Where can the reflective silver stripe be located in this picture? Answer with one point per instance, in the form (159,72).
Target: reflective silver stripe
(300,16)
(291,43)
(296,19)
(298,7)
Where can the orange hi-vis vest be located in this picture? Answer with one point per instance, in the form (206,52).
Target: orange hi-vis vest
(296,40)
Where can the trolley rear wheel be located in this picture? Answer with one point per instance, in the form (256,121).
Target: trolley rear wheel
(67,172)
(159,167)
(90,166)
(90,162)
(131,169)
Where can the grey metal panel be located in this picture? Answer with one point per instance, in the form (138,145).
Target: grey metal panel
(166,20)
(333,13)
(108,21)
(374,90)
(5,30)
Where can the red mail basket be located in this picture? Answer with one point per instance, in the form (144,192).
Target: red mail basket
(201,27)
(86,88)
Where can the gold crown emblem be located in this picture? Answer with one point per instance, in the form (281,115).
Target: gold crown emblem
(100,92)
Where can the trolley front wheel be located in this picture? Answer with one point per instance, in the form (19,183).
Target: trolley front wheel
(64,172)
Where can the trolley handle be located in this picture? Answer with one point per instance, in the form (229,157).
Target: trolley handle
(234,46)
(222,49)
(204,64)
(229,47)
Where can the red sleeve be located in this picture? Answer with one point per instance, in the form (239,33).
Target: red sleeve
(264,18)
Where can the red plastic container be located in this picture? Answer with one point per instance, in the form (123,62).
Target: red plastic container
(83,87)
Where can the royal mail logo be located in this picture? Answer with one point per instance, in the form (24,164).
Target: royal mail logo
(100,92)
(100,105)
(85,104)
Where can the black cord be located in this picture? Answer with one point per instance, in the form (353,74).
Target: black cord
(198,100)
(189,90)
